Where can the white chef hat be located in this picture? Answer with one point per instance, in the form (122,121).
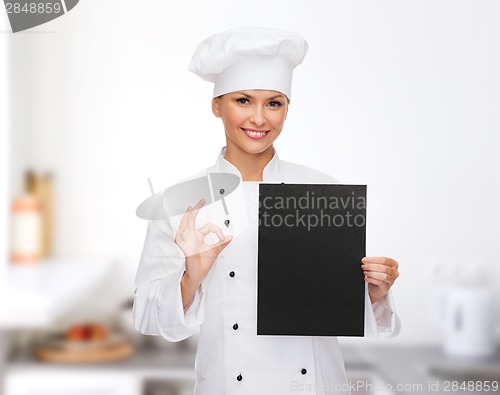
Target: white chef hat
(249,58)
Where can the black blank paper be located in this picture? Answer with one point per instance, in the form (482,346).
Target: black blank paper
(312,238)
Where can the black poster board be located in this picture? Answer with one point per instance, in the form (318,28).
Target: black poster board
(312,238)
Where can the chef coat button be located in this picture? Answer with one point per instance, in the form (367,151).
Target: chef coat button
(222,191)
(239,378)
(226,222)
(231,274)
(303,371)
(235,326)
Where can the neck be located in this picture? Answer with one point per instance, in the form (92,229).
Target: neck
(251,166)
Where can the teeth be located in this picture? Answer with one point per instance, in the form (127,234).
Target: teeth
(256,134)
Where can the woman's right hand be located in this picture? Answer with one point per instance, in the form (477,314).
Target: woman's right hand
(200,257)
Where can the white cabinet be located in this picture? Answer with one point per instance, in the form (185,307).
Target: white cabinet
(65,382)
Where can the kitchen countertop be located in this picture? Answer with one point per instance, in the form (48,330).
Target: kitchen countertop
(423,369)
(406,368)
(175,363)
(35,295)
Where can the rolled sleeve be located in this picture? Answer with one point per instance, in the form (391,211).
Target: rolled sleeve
(173,322)
(381,319)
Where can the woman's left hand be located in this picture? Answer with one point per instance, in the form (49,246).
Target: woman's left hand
(380,273)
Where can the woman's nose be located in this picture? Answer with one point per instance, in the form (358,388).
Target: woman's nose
(258,117)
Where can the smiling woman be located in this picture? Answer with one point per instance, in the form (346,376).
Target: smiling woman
(252,120)
(212,288)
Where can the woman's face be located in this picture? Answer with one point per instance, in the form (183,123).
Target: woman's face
(252,119)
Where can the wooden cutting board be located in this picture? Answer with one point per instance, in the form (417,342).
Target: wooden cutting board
(106,353)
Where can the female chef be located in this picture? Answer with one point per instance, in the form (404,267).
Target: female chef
(212,288)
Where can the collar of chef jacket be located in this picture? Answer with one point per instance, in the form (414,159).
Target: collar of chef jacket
(236,220)
(272,171)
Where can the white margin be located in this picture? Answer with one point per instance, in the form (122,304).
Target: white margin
(5,36)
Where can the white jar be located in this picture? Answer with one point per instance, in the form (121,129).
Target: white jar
(25,230)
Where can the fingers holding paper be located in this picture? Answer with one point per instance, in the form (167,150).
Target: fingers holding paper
(380,274)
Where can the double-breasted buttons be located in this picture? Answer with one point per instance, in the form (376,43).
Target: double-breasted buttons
(221,191)
(303,371)
(231,274)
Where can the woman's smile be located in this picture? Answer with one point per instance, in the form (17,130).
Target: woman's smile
(255,134)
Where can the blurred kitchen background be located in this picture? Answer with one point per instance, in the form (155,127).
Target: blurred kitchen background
(402,96)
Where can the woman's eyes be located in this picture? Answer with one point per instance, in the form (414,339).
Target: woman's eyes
(244,100)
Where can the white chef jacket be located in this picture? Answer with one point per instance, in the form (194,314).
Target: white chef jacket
(233,359)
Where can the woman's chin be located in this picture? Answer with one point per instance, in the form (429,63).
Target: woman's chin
(255,148)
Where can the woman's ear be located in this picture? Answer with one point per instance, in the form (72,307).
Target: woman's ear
(215,107)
